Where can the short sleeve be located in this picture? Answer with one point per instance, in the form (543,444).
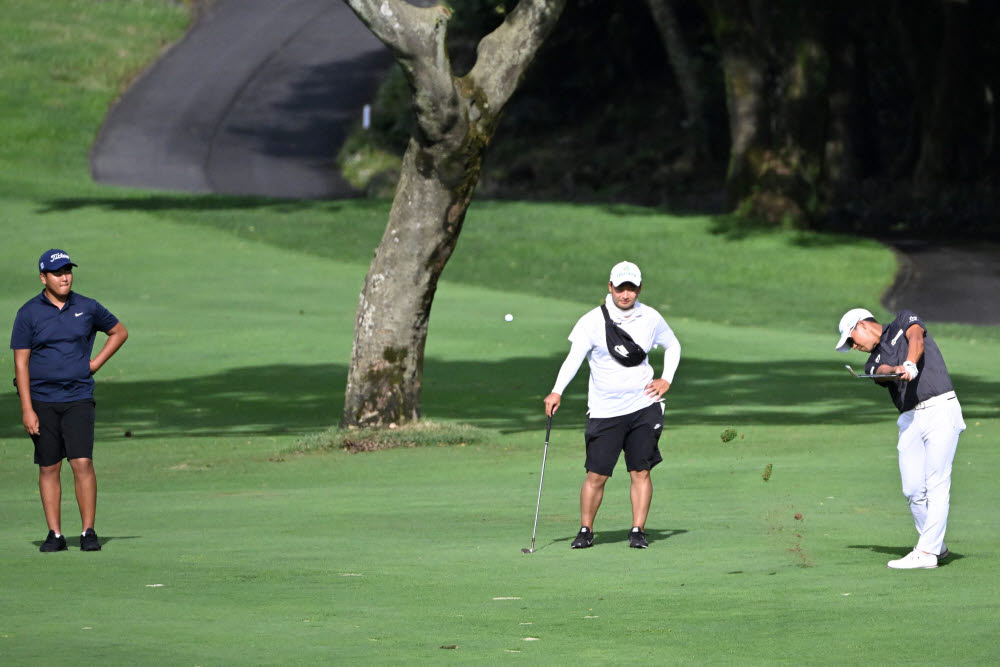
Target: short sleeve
(104,321)
(21,335)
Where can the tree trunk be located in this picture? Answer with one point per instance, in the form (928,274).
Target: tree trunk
(456,119)
(745,72)
(684,65)
(390,328)
(777,69)
(955,134)
(849,154)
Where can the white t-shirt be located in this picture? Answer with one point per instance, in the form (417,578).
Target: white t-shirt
(615,389)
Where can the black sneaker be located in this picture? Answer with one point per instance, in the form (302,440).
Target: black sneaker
(584,539)
(637,539)
(88,541)
(53,543)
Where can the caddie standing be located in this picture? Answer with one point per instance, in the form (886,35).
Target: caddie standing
(930,420)
(624,401)
(53,339)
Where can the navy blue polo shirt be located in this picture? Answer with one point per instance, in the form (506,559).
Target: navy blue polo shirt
(61,344)
(932,379)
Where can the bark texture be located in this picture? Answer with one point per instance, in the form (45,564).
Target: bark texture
(456,117)
(777,68)
(684,64)
(745,72)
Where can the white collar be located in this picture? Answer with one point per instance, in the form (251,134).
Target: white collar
(618,314)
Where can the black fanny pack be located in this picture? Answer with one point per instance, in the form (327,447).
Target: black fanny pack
(621,346)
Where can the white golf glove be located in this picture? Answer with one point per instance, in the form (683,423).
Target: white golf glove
(912,367)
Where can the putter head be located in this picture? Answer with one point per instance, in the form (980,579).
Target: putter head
(527,551)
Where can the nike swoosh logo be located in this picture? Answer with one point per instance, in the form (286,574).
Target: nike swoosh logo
(77,314)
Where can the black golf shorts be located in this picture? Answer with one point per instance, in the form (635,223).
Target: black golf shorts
(65,431)
(636,434)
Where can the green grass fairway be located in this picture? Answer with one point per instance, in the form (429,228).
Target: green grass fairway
(229,540)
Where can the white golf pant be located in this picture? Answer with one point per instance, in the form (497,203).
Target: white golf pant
(928,438)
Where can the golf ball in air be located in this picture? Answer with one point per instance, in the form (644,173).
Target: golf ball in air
(509,317)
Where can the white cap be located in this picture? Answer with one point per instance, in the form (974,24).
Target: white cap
(626,272)
(847,324)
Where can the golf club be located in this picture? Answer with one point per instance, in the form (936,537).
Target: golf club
(541,478)
(875,376)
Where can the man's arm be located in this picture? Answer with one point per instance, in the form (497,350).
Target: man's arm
(666,339)
(28,416)
(577,353)
(671,358)
(914,351)
(116,338)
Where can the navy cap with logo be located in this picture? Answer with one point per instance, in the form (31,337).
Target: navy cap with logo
(53,260)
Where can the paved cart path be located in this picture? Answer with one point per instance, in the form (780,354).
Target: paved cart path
(945,283)
(255,100)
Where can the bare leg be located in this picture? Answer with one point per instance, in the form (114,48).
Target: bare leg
(50,488)
(591,496)
(642,494)
(86,490)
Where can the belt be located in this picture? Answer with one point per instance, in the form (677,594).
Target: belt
(936,400)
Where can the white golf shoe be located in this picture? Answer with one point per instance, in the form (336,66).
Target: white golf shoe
(915,560)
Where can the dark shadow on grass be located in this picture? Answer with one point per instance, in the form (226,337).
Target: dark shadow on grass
(149,203)
(653,535)
(505,395)
(73,541)
(317,227)
(895,552)
(899,552)
(260,400)
(733,228)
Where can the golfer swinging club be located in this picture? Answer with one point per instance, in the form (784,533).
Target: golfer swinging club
(624,401)
(930,420)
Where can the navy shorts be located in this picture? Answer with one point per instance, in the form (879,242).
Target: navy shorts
(65,431)
(636,434)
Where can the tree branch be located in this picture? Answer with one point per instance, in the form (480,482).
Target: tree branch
(504,54)
(416,36)
(402,27)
